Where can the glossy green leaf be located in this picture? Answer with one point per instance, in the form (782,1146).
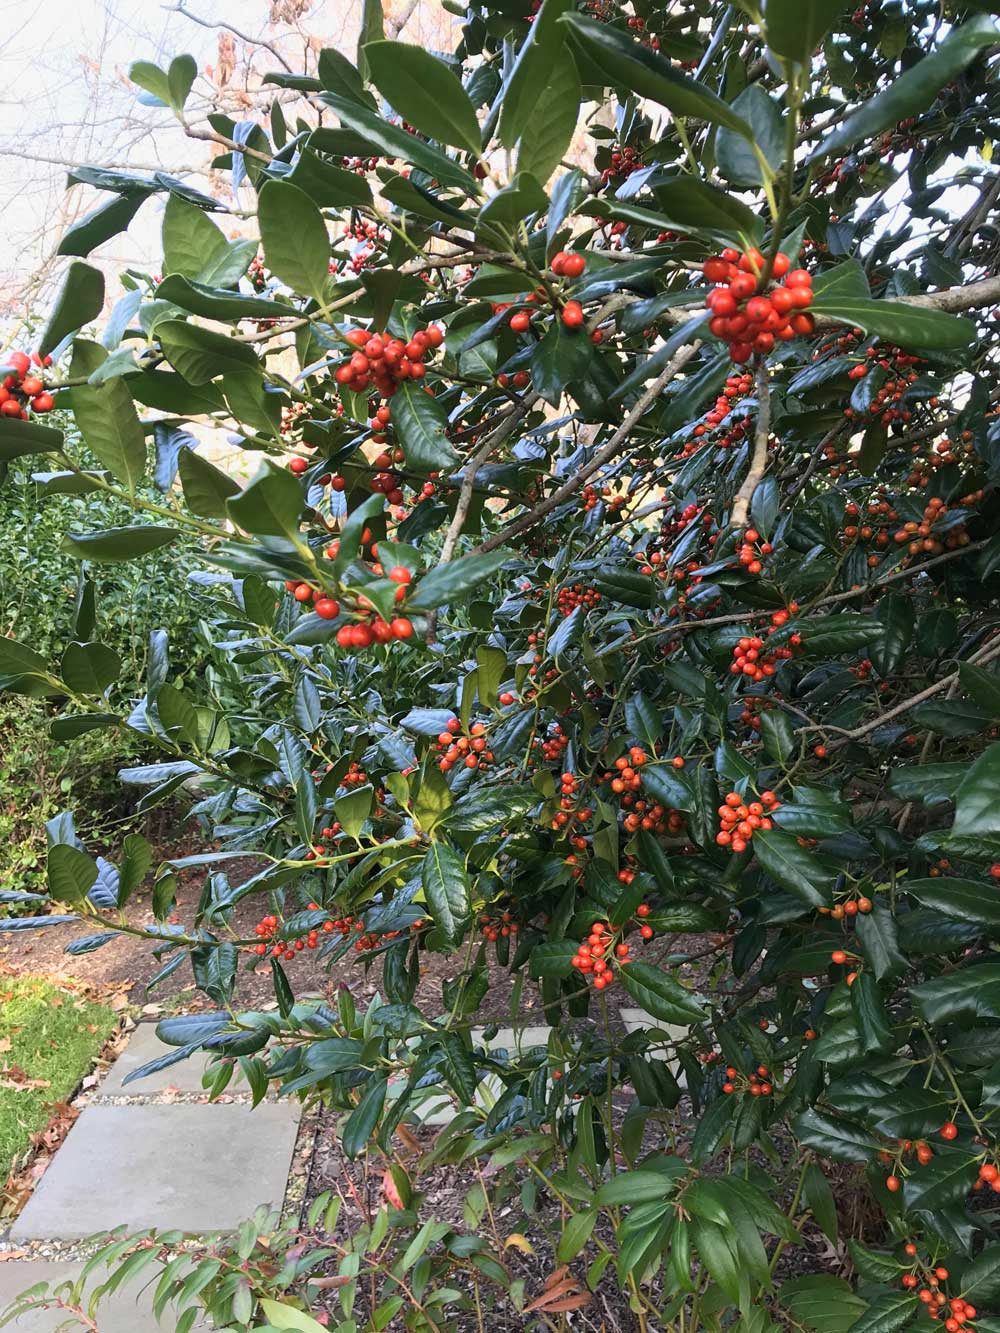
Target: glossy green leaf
(70,873)
(549,135)
(795,868)
(633,65)
(425,93)
(206,488)
(977,810)
(294,236)
(446,889)
(80,299)
(200,354)
(795,28)
(660,994)
(107,417)
(421,422)
(736,156)
(113,544)
(393,141)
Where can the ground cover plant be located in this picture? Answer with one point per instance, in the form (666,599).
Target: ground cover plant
(49,1039)
(622,567)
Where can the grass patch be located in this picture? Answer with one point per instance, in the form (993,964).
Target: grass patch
(49,1038)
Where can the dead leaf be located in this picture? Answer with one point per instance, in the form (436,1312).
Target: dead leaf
(519,1242)
(5,1045)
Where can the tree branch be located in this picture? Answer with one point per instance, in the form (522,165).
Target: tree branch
(603,455)
(758,463)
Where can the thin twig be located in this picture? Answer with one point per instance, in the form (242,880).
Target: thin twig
(603,455)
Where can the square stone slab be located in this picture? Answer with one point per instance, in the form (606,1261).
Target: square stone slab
(127,1310)
(637,1019)
(143,1046)
(192,1167)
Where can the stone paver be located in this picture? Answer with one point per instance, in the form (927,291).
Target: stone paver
(193,1167)
(128,1310)
(144,1045)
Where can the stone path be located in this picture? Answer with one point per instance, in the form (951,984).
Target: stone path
(148,1155)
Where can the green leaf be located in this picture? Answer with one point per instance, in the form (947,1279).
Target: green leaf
(200,354)
(137,858)
(446,889)
(71,873)
(89,668)
(876,932)
(644,1185)
(206,488)
(113,544)
(821,1302)
(536,60)
(913,90)
(793,867)
(294,236)
(577,1232)
(514,202)
(460,1068)
(152,79)
(869,1014)
(660,995)
(353,809)
(973,992)
(107,417)
(80,300)
(562,357)
(425,92)
(980,1280)
(271,505)
(101,224)
(491,668)
(960,898)
(795,28)
(977,810)
(737,161)
(18,439)
(420,422)
(896,615)
(549,135)
(984,686)
(892,1310)
(777,734)
(360,1124)
(444,583)
(393,141)
(180,76)
(195,248)
(842,1140)
(818,1196)
(372,29)
(286,1317)
(908,325)
(327,185)
(633,65)
(216,302)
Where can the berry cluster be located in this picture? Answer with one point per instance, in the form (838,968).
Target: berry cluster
(622,163)
(849,907)
(553,744)
(568,264)
(604,946)
(751,660)
(363,633)
(382,362)
(749,558)
(496,926)
(570,597)
(920,537)
(738,820)
(472,751)
(757,1083)
(325,607)
(267,928)
(570,810)
(24,388)
(746,318)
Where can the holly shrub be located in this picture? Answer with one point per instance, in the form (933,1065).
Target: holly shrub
(615,606)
